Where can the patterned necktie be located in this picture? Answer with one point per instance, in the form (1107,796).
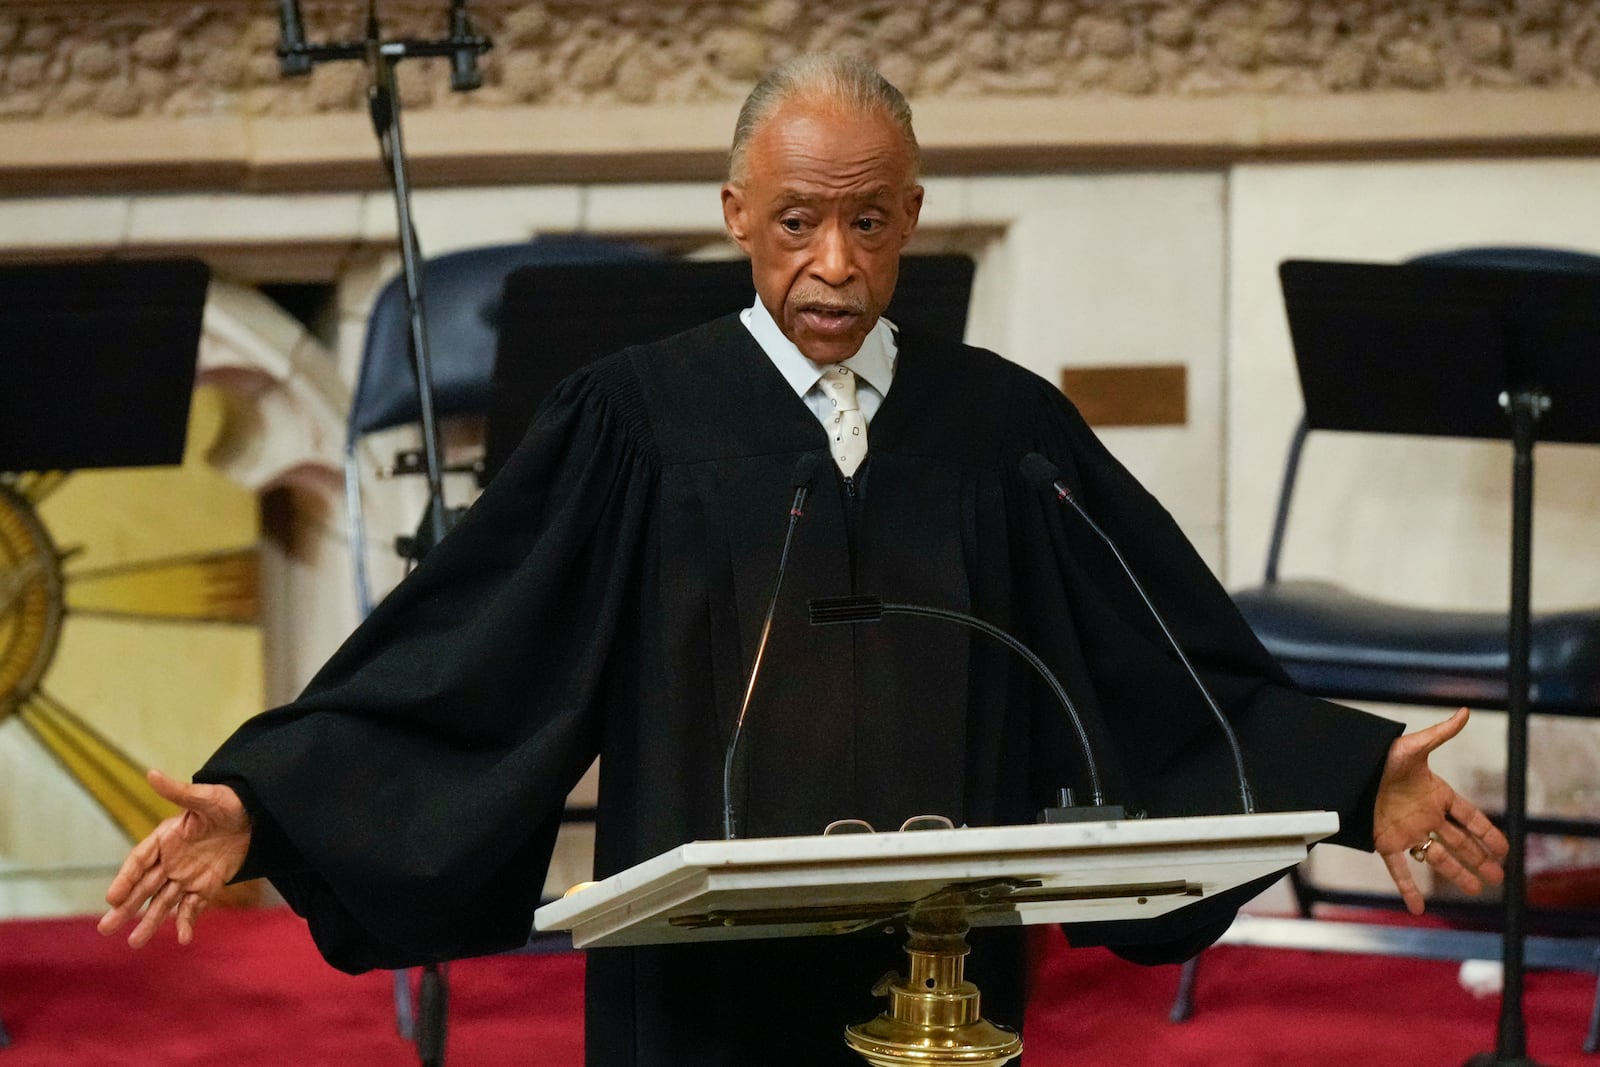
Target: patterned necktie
(846,426)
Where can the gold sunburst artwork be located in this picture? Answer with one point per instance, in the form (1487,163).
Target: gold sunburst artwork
(129,625)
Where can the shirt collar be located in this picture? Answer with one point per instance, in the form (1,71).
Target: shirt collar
(874,361)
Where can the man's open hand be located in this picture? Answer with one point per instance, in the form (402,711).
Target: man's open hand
(182,865)
(1419,813)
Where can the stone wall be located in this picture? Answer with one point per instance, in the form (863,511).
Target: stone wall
(125,59)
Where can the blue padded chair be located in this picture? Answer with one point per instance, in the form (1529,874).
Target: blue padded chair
(462,293)
(1338,644)
(1342,645)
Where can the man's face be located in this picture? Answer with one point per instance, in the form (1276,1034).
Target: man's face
(824,207)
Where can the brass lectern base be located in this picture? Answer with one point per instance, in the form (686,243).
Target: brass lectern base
(886,1042)
(933,1015)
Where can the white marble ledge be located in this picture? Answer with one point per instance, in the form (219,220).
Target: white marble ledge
(192,218)
(448,220)
(63,222)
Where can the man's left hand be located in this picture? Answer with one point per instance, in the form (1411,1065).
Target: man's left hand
(1420,815)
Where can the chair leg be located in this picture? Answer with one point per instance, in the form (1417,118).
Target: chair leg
(433,1012)
(1183,1003)
(405,1013)
(1302,891)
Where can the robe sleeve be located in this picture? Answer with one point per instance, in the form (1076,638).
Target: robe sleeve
(1300,753)
(407,802)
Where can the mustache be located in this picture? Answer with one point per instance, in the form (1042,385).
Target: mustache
(822,300)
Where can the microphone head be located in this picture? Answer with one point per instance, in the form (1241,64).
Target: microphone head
(1040,472)
(292,63)
(807,469)
(464,73)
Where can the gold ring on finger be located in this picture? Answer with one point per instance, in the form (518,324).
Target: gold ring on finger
(1419,852)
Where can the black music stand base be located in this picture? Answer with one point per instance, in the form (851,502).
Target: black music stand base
(433,1014)
(1494,1059)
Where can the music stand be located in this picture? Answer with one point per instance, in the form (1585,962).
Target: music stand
(99,362)
(1457,351)
(557,318)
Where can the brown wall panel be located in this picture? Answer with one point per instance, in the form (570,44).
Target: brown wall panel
(1136,395)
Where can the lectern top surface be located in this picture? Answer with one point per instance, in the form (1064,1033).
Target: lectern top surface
(1064,872)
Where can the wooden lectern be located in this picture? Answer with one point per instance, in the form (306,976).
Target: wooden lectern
(937,884)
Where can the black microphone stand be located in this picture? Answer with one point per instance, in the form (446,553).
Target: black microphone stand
(1525,407)
(462,46)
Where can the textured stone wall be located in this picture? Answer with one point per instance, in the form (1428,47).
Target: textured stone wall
(124,59)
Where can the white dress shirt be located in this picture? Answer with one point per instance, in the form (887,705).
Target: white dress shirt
(873,364)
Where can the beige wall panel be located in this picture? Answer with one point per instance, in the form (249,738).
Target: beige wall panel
(41,225)
(1423,520)
(1115,269)
(448,220)
(187,219)
(71,835)
(669,207)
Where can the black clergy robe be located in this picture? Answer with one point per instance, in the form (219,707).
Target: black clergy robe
(604,597)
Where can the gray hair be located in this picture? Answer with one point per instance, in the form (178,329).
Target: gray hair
(826,75)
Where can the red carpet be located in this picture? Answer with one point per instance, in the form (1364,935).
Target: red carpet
(252,991)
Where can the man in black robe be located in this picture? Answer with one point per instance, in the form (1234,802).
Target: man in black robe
(605,594)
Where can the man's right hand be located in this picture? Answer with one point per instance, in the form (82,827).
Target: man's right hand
(184,863)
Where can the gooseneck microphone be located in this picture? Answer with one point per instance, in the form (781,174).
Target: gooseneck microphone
(806,471)
(842,610)
(1047,477)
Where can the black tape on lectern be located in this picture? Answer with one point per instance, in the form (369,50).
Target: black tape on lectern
(557,318)
(97,362)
